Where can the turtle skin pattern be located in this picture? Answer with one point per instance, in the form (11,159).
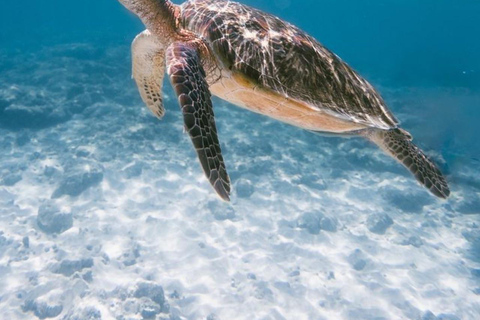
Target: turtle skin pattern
(279,56)
(188,79)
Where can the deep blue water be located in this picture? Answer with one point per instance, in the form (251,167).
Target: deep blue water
(415,44)
(105,214)
(401,43)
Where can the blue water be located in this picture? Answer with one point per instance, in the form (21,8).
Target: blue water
(105,214)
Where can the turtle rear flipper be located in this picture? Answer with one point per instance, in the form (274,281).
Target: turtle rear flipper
(398,143)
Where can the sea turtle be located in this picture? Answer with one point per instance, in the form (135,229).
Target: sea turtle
(257,61)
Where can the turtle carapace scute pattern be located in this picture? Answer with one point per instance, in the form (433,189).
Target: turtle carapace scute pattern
(259,62)
(283,58)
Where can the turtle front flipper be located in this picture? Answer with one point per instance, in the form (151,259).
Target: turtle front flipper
(188,79)
(148,57)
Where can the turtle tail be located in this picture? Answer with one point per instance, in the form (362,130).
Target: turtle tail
(398,144)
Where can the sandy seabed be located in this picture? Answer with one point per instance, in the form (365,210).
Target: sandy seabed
(105,212)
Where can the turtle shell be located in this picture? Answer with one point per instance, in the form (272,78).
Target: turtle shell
(279,56)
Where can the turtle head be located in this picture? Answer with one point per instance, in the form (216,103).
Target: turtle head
(140,7)
(159,16)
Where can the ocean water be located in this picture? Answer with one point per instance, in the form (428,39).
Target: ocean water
(105,212)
